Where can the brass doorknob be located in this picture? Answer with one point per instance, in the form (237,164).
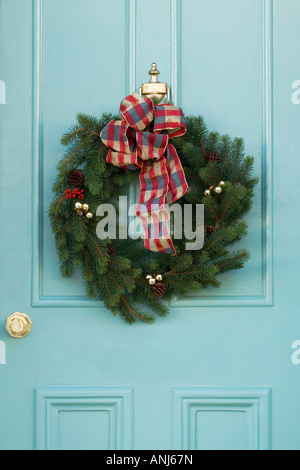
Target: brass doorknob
(18,325)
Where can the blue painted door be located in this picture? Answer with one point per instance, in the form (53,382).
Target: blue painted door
(222,370)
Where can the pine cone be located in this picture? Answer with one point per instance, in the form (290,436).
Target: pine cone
(76,178)
(209,230)
(111,250)
(212,157)
(159,289)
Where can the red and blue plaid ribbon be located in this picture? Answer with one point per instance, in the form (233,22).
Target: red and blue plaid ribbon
(141,141)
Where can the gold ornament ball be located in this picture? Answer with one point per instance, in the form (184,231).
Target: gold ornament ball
(78,206)
(89,215)
(222,183)
(159,277)
(152,281)
(148,277)
(218,190)
(85,207)
(207,192)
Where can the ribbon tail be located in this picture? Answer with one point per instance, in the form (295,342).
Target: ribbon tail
(152,209)
(157,232)
(178,186)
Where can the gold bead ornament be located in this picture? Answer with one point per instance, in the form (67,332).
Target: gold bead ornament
(208,191)
(83,209)
(153,279)
(218,189)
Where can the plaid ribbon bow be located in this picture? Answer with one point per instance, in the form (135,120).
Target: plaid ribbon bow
(141,141)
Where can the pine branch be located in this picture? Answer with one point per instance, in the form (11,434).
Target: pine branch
(136,316)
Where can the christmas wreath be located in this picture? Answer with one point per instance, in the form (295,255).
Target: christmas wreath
(136,276)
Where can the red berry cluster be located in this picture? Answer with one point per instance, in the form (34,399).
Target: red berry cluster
(78,193)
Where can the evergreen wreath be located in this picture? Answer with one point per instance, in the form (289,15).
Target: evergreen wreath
(133,282)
